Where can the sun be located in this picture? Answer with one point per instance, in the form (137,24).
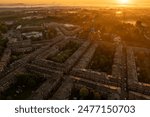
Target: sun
(124,1)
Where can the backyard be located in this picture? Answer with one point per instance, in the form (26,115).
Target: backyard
(143,67)
(103,59)
(83,93)
(23,87)
(65,52)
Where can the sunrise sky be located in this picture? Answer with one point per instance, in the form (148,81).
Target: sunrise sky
(77,2)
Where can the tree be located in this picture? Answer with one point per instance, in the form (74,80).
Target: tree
(52,33)
(3,42)
(27,79)
(84,92)
(139,23)
(97,96)
(0,35)
(3,28)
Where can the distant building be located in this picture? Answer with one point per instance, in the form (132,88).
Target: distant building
(9,23)
(31,28)
(117,39)
(32,17)
(13,40)
(32,34)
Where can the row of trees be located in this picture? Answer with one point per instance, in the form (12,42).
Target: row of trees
(103,59)
(3,28)
(3,43)
(143,63)
(85,93)
(22,89)
(65,52)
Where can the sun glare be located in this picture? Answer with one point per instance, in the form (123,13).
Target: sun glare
(124,1)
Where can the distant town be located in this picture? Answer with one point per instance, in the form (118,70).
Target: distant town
(74,53)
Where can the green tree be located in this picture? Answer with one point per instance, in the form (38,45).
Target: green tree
(97,96)
(29,80)
(84,92)
(0,35)
(52,33)
(3,28)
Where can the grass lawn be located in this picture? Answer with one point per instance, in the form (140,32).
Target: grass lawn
(103,59)
(66,52)
(22,89)
(143,63)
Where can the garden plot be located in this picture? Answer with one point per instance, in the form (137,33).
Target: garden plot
(65,52)
(2,46)
(102,60)
(25,84)
(143,66)
(18,55)
(80,92)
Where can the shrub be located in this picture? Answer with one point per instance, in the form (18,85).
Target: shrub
(3,42)
(97,96)
(84,92)
(3,28)
(29,80)
(66,52)
(102,60)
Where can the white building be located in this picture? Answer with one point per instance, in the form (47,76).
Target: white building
(33,34)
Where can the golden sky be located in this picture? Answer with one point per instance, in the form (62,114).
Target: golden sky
(76,2)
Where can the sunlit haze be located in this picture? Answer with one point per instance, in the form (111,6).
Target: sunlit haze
(124,1)
(77,2)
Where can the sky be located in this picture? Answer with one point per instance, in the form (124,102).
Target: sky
(75,2)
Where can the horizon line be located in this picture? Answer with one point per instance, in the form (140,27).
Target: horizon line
(82,5)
